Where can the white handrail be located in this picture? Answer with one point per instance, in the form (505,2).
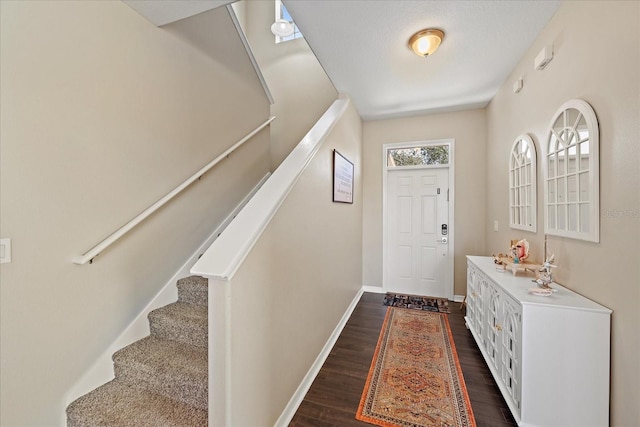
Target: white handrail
(97,249)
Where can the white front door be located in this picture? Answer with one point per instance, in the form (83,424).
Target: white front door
(417,227)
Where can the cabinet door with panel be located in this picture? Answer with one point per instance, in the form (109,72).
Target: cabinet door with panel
(502,327)
(471,303)
(510,347)
(474,298)
(492,324)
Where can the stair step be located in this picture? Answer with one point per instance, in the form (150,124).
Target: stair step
(193,290)
(161,380)
(170,368)
(182,322)
(118,404)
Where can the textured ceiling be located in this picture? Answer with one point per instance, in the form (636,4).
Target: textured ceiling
(362,45)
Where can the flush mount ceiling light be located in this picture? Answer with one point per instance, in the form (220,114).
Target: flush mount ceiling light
(425,42)
(282,28)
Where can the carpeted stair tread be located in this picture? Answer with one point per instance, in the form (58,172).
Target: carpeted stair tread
(161,380)
(181,322)
(193,290)
(170,368)
(116,404)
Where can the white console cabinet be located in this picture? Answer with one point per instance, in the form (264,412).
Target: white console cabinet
(548,354)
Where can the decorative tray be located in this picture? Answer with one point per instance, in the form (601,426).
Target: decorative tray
(522,266)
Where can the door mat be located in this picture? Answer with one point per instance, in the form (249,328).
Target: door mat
(417,302)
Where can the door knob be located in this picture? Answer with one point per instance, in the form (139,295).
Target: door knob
(443,240)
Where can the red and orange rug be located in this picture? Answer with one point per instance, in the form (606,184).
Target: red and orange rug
(415,377)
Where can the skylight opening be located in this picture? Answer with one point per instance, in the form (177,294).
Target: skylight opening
(283,13)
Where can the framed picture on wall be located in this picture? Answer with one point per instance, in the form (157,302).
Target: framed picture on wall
(342,179)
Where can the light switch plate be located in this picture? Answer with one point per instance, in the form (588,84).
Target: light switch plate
(5,251)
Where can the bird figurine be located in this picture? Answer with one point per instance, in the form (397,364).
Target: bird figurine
(545,276)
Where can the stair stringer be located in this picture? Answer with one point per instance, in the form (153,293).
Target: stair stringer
(101,371)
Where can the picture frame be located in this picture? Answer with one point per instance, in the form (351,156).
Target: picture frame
(342,178)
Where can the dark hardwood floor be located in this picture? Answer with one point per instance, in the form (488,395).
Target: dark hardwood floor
(335,394)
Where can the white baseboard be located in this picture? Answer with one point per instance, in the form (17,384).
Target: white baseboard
(458,298)
(373,289)
(290,410)
(102,369)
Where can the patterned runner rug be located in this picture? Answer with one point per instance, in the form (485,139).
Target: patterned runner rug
(417,302)
(415,377)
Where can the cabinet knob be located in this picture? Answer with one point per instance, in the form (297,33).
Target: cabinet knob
(498,327)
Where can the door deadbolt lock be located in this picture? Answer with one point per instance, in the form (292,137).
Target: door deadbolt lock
(443,240)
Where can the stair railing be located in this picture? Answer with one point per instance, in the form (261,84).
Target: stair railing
(113,237)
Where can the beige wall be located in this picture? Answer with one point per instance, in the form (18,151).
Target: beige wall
(103,114)
(296,283)
(301,90)
(604,71)
(467,128)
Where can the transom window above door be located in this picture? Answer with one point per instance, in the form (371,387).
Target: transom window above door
(423,155)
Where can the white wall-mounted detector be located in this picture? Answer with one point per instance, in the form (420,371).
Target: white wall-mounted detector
(544,57)
(517,86)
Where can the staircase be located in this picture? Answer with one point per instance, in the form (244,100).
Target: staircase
(160,380)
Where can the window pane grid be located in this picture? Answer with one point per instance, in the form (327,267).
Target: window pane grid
(522,184)
(568,172)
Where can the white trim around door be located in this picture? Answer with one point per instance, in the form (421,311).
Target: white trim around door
(451,197)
